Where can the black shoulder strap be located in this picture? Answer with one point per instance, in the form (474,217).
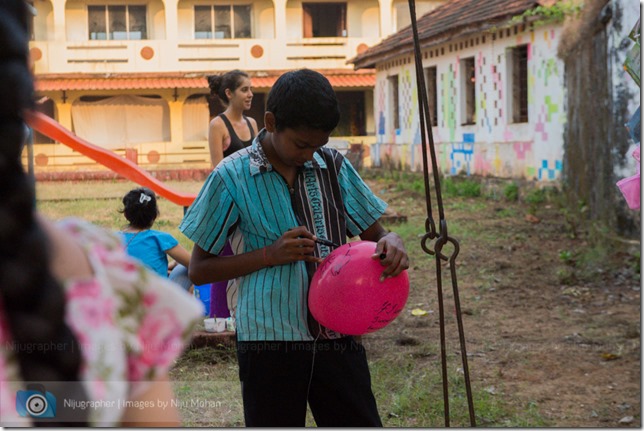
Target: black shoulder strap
(250,127)
(229,126)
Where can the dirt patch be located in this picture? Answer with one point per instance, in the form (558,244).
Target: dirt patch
(544,329)
(552,325)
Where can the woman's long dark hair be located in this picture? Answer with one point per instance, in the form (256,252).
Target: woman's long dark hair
(31,299)
(218,84)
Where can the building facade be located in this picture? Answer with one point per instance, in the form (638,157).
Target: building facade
(495,91)
(129,75)
(515,95)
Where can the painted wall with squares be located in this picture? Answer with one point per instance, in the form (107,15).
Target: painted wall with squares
(492,142)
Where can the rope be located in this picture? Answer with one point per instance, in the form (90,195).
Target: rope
(441,236)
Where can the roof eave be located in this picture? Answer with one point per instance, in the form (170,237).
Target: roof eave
(406,47)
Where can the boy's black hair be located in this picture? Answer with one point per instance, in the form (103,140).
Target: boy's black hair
(140,208)
(303,98)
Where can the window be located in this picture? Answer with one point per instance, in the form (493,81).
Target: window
(352,121)
(432,88)
(117,22)
(468,91)
(395,105)
(518,73)
(223,22)
(324,19)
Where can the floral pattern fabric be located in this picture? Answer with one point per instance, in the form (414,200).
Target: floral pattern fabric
(130,323)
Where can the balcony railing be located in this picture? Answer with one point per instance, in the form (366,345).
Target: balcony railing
(140,56)
(154,155)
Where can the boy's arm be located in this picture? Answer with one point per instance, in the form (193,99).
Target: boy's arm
(391,245)
(209,268)
(295,245)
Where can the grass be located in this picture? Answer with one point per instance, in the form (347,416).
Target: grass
(407,383)
(417,401)
(406,379)
(511,192)
(414,182)
(208,374)
(100,201)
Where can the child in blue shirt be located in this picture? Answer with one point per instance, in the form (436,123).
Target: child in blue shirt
(152,247)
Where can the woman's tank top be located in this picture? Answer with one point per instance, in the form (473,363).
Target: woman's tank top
(236,144)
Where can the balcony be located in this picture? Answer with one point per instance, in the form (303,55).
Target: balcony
(150,56)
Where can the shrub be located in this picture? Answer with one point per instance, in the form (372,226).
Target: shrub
(511,192)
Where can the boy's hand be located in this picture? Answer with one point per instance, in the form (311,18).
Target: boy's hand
(295,245)
(391,252)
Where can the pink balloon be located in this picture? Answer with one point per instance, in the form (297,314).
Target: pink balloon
(346,294)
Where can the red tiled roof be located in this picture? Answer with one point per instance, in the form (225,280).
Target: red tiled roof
(349,79)
(454,18)
(117,83)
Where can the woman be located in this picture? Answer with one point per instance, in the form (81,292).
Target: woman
(232,130)
(80,322)
(229,132)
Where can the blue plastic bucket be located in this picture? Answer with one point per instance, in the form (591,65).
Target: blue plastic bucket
(202,293)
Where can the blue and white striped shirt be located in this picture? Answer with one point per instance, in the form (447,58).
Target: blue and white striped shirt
(244,193)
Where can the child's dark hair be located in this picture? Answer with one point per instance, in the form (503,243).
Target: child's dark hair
(228,81)
(140,208)
(303,98)
(32,300)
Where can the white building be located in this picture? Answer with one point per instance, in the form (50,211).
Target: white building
(495,85)
(129,75)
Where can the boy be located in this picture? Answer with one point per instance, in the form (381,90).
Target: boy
(281,194)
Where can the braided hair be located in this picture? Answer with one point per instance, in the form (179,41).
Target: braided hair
(32,301)
(218,84)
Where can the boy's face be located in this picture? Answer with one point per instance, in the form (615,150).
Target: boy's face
(295,147)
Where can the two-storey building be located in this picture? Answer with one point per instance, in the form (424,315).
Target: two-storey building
(129,75)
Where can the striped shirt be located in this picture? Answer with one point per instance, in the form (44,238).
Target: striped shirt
(246,195)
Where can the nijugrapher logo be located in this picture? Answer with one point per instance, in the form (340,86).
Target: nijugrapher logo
(36,402)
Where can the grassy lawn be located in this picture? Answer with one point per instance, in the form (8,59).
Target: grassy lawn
(407,382)
(99,202)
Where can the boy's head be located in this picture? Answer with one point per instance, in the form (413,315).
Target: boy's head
(140,208)
(303,99)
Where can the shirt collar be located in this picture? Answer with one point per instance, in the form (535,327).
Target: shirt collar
(259,162)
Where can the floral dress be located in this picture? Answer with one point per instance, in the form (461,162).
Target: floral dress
(130,323)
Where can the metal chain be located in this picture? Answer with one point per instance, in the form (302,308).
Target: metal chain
(441,236)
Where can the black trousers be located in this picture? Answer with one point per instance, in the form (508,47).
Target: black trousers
(279,377)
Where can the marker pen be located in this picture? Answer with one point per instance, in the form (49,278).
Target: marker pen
(326,242)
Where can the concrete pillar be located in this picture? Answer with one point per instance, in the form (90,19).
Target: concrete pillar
(64,111)
(171,20)
(386,24)
(176,120)
(59,20)
(280,21)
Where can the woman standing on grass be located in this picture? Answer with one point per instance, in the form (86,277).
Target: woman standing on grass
(231,130)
